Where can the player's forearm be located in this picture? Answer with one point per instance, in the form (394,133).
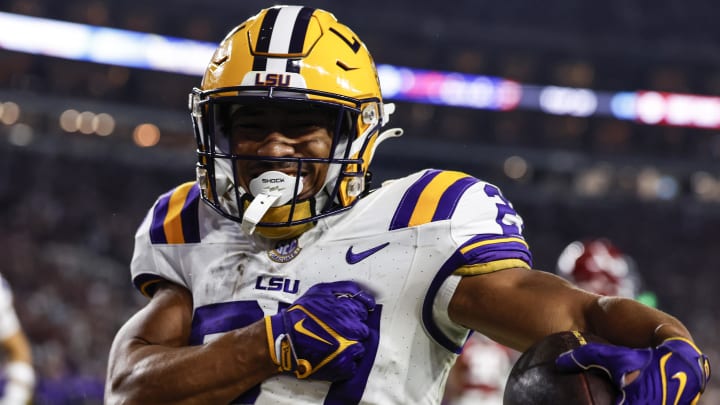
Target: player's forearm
(629,323)
(216,372)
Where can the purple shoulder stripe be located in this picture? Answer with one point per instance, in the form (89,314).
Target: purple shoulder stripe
(404,211)
(189,215)
(486,248)
(433,197)
(451,196)
(157,231)
(187,218)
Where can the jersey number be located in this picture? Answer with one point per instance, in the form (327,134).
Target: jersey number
(507,218)
(223,317)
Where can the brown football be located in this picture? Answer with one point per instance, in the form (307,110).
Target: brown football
(534,380)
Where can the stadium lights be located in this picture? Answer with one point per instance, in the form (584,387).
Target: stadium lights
(9,112)
(87,122)
(184,56)
(20,134)
(146,135)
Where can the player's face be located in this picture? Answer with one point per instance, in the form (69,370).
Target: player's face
(282,132)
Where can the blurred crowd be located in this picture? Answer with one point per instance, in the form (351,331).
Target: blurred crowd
(67,241)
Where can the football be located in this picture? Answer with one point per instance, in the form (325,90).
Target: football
(534,380)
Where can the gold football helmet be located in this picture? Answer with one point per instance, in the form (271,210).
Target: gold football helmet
(288,57)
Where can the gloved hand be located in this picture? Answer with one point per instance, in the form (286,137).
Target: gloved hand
(674,372)
(321,334)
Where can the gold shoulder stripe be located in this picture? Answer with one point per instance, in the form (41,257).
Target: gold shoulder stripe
(173,220)
(490,267)
(430,197)
(492,241)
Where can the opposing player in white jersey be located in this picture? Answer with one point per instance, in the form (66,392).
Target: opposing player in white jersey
(280,277)
(480,373)
(19,375)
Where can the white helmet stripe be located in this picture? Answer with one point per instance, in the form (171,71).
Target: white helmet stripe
(281,36)
(283,32)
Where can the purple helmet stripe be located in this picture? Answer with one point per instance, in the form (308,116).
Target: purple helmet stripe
(297,40)
(263,41)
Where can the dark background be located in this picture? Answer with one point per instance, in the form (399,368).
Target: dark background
(71,202)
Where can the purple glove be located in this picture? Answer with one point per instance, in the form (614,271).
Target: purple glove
(675,372)
(321,333)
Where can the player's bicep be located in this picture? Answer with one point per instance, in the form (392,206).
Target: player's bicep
(518,306)
(165,321)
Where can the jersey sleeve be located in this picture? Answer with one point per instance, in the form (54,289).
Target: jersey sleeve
(169,226)
(489,232)
(484,234)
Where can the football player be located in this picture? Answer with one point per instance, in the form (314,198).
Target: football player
(480,373)
(19,373)
(599,266)
(279,276)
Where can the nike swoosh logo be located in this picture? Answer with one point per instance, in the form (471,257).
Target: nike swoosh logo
(300,328)
(680,376)
(353,258)
(682,379)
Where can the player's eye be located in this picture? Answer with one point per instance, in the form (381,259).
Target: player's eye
(301,129)
(248,131)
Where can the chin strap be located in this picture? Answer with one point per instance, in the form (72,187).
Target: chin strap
(270,189)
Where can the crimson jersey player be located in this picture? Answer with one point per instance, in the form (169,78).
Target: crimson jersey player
(598,265)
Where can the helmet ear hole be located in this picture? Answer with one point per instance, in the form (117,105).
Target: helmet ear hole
(370,114)
(355,186)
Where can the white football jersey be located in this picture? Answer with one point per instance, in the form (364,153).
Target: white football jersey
(408,242)
(482,371)
(9,323)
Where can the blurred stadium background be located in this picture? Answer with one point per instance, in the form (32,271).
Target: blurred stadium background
(596,119)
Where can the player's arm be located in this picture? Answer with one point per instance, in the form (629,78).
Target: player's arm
(517,307)
(318,337)
(652,356)
(151,362)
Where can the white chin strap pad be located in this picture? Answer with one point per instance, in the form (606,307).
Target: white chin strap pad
(270,189)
